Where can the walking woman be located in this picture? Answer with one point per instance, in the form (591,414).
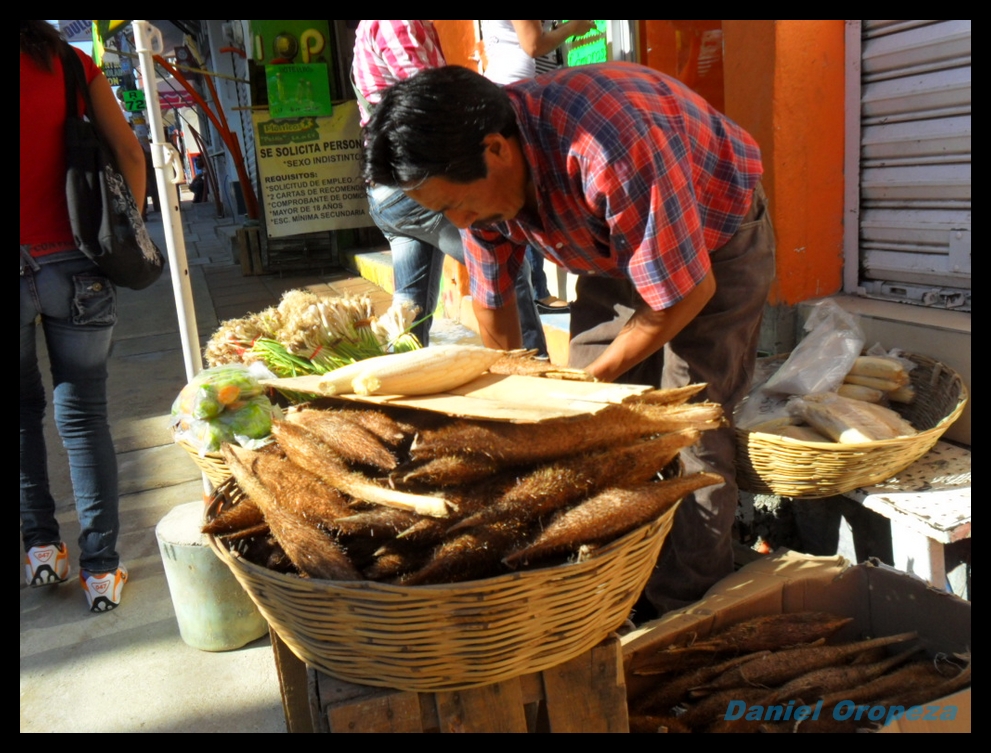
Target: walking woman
(76,307)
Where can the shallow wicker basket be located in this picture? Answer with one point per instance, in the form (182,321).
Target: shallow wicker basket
(770,464)
(450,637)
(212,464)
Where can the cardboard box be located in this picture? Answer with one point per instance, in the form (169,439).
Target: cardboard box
(493,397)
(882,601)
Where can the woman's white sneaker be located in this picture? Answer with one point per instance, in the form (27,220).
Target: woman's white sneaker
(103,591)
(46,565)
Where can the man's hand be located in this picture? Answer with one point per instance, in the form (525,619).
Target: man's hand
(648,331)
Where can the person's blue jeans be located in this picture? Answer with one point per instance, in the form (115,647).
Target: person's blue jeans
(419,239)
(537,275)
(78,309)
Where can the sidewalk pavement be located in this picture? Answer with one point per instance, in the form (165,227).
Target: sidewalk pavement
(129,670)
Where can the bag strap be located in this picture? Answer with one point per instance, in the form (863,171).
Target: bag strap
(369,107)
(75,83)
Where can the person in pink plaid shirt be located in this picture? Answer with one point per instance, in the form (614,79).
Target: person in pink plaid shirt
(630,180)
(386,52)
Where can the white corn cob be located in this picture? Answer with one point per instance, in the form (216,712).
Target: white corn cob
(416,372)
(877,383)
(801,433)
(850,421)
(859,392)
(881,367)
(771,426)
(840,425)
(890,418)
(904,394)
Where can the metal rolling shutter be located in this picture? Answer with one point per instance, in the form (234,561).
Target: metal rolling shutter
(915,159)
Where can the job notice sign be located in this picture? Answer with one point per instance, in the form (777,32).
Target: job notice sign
(310,172)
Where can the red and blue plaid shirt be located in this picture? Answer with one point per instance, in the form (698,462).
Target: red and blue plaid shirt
(636,177)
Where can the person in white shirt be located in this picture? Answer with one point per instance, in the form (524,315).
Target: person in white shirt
(511,50)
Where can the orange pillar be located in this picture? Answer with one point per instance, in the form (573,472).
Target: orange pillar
(785,85)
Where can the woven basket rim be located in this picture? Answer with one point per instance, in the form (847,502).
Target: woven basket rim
(211,465)
(193,450)
(478,632)
(588,563)
(802,469)
(939,427)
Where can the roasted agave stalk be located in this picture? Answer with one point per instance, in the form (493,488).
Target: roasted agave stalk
(447,470)
(343,432)
(523,363)
(243,515)
(310,452)
(767,632)
(468,555)
(608,515)
(311,549)
(521,444)
(782,666)
(296,489)
(555,485)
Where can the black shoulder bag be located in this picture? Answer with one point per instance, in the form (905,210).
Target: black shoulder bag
(106,223)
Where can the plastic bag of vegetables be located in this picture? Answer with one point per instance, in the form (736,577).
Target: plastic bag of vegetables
(223,404)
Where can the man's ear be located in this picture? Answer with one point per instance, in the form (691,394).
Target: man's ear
(497,147)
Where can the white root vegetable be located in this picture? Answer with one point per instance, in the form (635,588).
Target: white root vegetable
(417,372)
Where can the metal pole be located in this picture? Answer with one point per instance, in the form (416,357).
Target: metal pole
(148,42)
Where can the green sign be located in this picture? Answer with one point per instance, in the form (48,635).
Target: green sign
(590,48)
(134,100)
(298,90)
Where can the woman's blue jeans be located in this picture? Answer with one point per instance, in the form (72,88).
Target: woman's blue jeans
(78,309)
(419,239)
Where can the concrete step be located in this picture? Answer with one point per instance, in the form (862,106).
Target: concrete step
(376,266)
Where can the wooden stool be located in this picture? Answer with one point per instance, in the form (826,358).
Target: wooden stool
(928,505)
(586,694)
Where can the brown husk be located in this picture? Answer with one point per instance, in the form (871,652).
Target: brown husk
(608,515)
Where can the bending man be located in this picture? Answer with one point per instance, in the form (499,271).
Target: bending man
(633,182)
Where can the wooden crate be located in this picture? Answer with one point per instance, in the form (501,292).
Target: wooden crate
(586,694)
(249,251)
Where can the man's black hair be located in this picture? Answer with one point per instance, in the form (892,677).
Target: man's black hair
(433,125)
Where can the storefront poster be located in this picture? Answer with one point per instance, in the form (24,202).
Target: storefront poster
(297,90)
(310,172)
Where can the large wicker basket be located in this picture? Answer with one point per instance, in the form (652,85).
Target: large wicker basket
(457,636)
(212,463)
(770,464)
